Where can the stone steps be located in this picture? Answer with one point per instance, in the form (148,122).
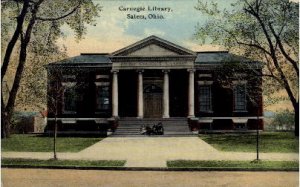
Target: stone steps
(172,126)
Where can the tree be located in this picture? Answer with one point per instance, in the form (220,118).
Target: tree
(55,94)
(230,74)
(265,30)
(35,18)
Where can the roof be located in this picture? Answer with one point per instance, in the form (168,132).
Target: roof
(105,59)
(153,40)
(85,59)
(214,57)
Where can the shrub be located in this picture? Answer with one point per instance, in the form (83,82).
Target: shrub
(23,122)
(284,120)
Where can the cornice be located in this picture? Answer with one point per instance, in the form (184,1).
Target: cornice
(147,58)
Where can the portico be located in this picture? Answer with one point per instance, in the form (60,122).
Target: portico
(152,62)
(153,93)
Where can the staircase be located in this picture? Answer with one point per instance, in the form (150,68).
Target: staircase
(172,126)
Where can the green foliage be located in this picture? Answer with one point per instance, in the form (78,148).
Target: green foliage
(35,143)
(284,119)
(247,28)
(282,142)
(72,163)
(43,48)
(233,164)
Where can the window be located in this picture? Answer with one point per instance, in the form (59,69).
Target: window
(102,97)
(240,97)
(205,98)
(69,100)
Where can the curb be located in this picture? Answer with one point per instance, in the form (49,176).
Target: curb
(150,168)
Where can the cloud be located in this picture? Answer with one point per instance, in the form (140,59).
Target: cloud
(114,31)
(153,31)
(107,36)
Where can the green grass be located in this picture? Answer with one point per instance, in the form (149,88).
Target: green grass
(233,164)
(282,142)
(36,143)
(77,163)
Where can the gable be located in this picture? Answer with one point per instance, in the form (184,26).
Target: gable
(152,50)
(153,46)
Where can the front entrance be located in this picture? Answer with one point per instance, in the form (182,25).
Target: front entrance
(153,101)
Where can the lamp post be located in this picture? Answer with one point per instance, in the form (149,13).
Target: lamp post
(257,136)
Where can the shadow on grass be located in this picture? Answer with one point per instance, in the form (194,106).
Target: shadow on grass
(70,135)
(268,142)
(44,143)
(75,163)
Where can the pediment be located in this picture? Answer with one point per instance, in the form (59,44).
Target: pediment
(152,46)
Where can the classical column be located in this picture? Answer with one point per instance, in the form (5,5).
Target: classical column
(191,93)
(140,101)
(115,102)
(166,94)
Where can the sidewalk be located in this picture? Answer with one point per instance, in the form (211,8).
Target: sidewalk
(152,152)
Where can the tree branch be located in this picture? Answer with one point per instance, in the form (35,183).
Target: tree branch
(61,17)
(14,39)
(254,45)
(278,40)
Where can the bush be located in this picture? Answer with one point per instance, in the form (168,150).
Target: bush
(23,122)
(284,120)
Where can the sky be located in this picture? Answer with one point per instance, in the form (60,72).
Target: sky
(114,30)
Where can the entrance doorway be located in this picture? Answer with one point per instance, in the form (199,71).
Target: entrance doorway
(153,101)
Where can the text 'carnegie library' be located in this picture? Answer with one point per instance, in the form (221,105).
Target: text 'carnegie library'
(155,12)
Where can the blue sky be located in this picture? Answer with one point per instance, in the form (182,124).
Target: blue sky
(114,31)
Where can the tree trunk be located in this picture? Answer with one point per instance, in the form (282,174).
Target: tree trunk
(5,125)
(5,131)
(55,125)
(9,108)
(6,111)
(54,139)
(296,110)
(14,39)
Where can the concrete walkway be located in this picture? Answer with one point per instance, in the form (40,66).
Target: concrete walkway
(153,151)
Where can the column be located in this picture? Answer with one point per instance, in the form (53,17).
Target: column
(140,101)
(166,94)
(115,104)
(191,93)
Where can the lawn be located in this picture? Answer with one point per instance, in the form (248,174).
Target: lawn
(283,142)
(233,164)
(38,143)
(77,163)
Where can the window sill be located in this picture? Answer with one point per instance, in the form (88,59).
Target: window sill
(240,111)
(69,112)
(207,111)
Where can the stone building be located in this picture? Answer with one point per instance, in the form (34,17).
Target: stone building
(155,80)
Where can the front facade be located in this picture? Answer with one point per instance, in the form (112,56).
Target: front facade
(154,79)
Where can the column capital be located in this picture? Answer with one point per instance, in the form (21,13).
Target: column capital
(140,70)
(114,71)
(191,70)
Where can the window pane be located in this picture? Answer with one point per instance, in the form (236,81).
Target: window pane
(69,99)
(102,98)
(240,97)
(205,98)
